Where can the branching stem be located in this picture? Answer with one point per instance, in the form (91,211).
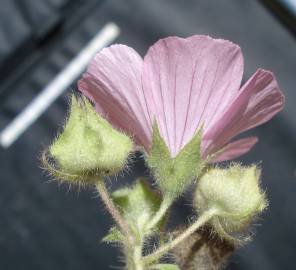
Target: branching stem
(165,205)
(205,217)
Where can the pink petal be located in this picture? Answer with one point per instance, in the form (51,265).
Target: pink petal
(113,83)
(256,103)
(189,82)
(236,149)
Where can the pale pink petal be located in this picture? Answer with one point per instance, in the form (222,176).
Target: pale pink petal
(235,149)
(113,82)
(189,82)
(256,103)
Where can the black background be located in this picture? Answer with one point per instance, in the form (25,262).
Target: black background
(47,226)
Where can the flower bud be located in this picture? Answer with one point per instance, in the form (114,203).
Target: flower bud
(89,144)
(234,193)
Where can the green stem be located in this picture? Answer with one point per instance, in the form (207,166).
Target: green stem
(138,257)
(205,217)
(165,205)
(104,194)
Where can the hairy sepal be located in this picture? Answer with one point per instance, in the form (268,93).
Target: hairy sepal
(174,175)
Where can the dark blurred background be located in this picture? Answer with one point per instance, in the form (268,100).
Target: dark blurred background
(44,225)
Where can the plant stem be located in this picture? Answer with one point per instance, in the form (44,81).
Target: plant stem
(104,194)
(138,257)
(165,205)
(137,250)
(205,217)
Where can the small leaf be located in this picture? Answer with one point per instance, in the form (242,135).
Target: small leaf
(137,204)
(175,174)
(165,266)
(114,235)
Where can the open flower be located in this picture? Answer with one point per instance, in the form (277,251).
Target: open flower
(183,84)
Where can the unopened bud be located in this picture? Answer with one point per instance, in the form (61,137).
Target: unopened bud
(234,193)
(89,144)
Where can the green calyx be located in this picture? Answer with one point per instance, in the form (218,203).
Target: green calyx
(88,144)
(138,204)
(173,175)
(235,194)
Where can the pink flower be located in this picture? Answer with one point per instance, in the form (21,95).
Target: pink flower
(182,84)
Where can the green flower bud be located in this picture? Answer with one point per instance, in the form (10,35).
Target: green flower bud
(234,193)
(89,144)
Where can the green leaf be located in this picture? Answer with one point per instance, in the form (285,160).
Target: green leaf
(175,174)
(137,204)
(165,266)
(114,235)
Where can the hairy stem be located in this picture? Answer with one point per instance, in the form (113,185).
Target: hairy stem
(205,217)
(138,257)
(104,194)
(165,205)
